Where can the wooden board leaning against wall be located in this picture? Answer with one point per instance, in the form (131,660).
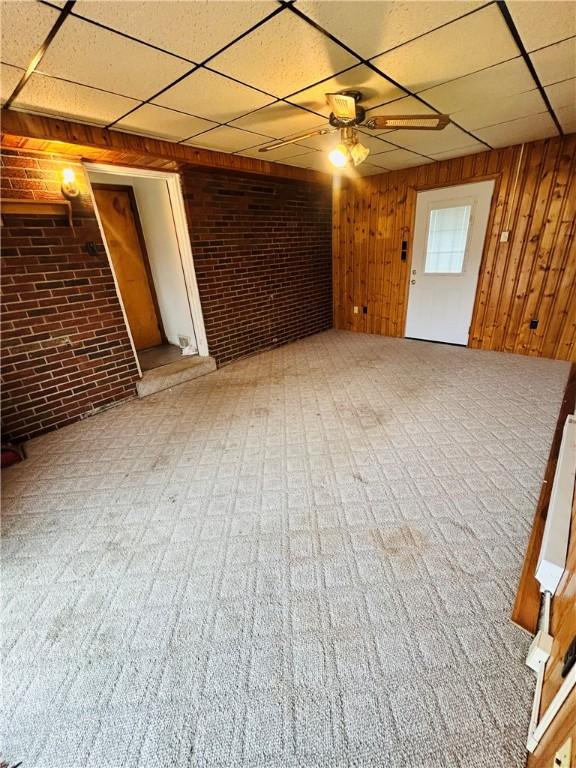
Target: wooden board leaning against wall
(531,276)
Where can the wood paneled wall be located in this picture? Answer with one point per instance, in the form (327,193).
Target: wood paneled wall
(532,276)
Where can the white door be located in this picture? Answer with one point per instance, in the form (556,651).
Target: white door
(448,240)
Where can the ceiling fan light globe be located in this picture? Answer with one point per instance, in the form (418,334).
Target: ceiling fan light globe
(359,153)
(339,156)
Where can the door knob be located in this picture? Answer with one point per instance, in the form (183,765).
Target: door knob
(413,282)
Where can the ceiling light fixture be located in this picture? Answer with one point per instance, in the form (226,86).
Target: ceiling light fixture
(347,114)
(350,151)
(359,153)
(339,156)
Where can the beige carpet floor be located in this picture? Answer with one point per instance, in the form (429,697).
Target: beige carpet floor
(305,559)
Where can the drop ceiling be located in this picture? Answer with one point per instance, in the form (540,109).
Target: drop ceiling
(232,75)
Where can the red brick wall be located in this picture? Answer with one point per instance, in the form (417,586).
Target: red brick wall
(262,252)
(65,348)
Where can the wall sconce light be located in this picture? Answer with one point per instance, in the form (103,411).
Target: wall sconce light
(69,187)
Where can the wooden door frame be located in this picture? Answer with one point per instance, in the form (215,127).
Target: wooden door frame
(142,244)
(412,196)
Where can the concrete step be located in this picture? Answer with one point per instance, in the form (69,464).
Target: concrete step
(172,374)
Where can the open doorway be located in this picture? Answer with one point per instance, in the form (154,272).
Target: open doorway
(141,215)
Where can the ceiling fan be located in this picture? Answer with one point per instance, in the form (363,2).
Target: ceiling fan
(347,115)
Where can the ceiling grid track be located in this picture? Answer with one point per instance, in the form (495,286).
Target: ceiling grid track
(105,27)
(290,7)
(41,52)
(202,64)
(524,53)
(374,68)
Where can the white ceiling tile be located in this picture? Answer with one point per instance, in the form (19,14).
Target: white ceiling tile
(562,94)
(567,118)
(283,56)
(406,106)
(316,160)
(24,29)
(280,121)
(324,142)
(194,30)
(563,100)
(400,158)
(556,63)
(472,149)
(9,79)
(163,123)
(277,155)
(501,111)
(518,131)
(428,142)
(490,84)
(86,54)
(375,90)
(213,97)
(467,45)
(370,28)
(50,96)
(226,139)
(364,169)
(543,22)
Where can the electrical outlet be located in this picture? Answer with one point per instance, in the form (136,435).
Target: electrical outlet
(504,236)
(356,310)
(562,757)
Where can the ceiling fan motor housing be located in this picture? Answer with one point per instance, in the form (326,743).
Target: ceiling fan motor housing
(342,122)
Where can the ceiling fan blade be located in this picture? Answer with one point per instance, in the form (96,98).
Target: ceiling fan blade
(408,122)
(343,106)
(299,137)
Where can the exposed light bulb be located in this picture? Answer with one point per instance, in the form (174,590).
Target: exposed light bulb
(69,187)
(339,156)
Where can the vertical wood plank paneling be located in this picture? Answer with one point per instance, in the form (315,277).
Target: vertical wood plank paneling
(531,271)
(550,260)
(531,276)
(336,253)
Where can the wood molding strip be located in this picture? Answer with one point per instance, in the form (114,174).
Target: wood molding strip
(24,131)
(25,207)
(527,604)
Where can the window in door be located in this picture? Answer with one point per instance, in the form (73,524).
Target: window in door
(447,239)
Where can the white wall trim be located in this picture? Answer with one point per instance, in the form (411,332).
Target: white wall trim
(182,235)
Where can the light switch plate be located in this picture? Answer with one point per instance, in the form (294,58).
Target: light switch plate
(562,757)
